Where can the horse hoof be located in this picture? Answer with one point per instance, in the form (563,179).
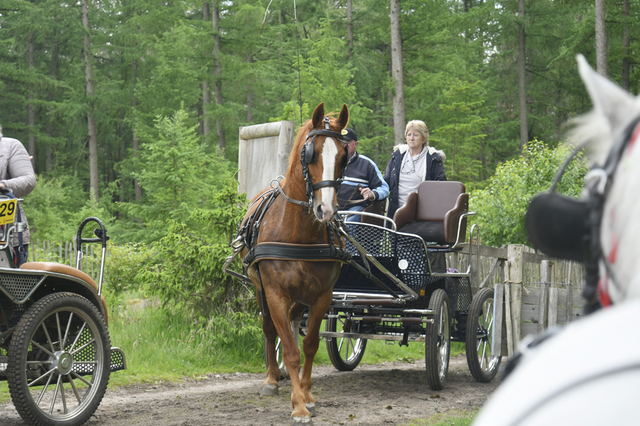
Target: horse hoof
(302,421)
(311,406)
(269,390)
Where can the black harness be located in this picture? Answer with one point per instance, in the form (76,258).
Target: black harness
(567,228)
(248,233)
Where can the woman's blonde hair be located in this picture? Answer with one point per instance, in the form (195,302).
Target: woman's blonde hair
(421,128)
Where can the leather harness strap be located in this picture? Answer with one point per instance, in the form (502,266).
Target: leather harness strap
(307,252)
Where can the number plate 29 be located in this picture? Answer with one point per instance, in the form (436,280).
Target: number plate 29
(7,211)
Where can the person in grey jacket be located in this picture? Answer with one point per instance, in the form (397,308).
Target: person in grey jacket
(16,174)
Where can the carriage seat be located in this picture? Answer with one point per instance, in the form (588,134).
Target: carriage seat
(433,212)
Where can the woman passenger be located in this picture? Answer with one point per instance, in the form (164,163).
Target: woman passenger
(412,164)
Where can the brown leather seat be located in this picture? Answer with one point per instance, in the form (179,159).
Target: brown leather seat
(434,211)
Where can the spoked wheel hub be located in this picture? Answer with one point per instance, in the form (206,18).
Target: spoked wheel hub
(62,362)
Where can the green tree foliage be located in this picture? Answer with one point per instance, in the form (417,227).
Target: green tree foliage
(188,272)
(502,205)
(177,175)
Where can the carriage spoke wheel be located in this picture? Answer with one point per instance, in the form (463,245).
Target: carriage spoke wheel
(59,360)
(438,340)
(479,338)
(345,353)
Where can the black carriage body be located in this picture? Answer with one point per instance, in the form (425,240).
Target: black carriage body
(408,258)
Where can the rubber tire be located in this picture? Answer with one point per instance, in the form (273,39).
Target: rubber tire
(482,364)
(438,341)
(354,350)
(28,329)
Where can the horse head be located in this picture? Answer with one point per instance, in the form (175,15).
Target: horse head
(318,160)
(602,228)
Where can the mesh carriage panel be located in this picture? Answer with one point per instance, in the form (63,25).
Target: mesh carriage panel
(459,291)
(378,242)
(10,313)
(19,286)
(412,249)
(86,354)
(117,359)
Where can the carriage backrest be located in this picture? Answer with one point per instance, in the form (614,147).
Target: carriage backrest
(434,212)
(436,198)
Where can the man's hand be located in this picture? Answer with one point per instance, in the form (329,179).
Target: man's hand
(367,194)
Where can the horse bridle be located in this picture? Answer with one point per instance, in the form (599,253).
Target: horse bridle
(306,157)
(589,210)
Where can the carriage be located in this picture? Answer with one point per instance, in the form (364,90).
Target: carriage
(375,279)
(400,288)
(55,350)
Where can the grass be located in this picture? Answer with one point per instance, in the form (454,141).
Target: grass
(454,418)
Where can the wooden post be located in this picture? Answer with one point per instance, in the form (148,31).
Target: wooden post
(545,275)
(507,305)
(553,306)
(498,301)
(514,256)
(569,295)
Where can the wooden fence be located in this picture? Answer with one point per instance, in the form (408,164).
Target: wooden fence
(532,291)
(65,252)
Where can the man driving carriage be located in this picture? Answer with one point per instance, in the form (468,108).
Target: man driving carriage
(363,183)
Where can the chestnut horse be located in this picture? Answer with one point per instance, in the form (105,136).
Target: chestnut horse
(293,270)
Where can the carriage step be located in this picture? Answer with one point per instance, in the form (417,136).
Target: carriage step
(404,320)
(118,360)
(377,302)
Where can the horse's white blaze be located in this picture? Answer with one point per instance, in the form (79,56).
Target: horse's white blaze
(329,153)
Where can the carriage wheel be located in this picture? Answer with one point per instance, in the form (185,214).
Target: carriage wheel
(438,340)
(345,353)
(284,373)
(482,364)
(59,360)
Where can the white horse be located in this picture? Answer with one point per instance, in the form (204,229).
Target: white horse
(588,372)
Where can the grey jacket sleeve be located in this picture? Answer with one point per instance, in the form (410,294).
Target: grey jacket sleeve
(19,174)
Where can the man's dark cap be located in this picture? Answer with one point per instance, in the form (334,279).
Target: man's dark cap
(349,135)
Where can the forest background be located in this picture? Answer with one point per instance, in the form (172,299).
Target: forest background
(131,109)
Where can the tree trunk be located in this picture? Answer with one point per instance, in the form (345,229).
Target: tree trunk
(626,41)
(601,39)
(249,94)
(398,74)
(522,82)
(136,142)
(217,71)
(350,28)
(32,108)
(206,87)
(93,139)
(53,71)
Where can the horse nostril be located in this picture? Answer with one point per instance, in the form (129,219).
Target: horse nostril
(319,212)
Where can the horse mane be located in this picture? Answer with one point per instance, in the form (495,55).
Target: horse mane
(301,137)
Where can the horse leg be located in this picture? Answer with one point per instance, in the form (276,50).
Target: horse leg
(310,347)
(272,383)
(281,316)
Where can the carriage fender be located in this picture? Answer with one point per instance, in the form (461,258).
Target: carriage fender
(68,278)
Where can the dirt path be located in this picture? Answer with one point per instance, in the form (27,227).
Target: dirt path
(382,394)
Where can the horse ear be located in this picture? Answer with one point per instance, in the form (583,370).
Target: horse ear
(613,109)
(343,118)
(318,115)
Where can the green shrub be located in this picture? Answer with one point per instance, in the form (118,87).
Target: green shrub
(502,205)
